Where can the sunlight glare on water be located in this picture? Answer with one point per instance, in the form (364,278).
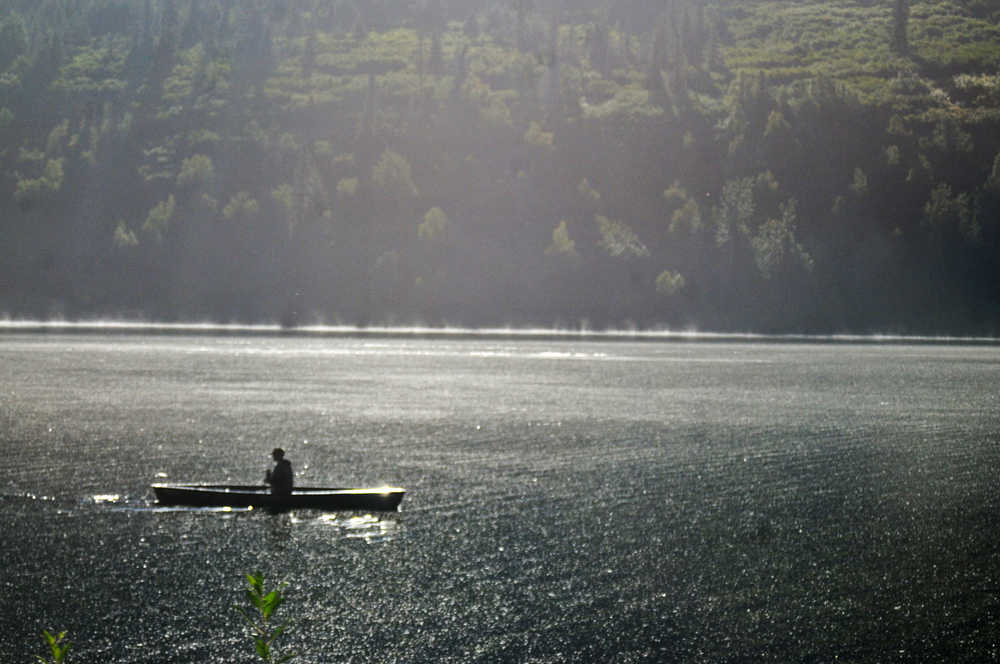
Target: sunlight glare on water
(569,499)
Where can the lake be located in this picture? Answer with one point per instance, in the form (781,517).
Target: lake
(570,500)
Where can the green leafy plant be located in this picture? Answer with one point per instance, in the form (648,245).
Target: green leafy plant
(58,645)
(265,603)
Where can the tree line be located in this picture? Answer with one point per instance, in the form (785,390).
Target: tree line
(734,166)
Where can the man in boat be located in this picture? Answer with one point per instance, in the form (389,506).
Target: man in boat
(280,478)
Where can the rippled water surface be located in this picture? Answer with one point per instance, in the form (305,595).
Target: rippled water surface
(569,501)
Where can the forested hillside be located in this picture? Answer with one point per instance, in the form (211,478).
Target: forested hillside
(791,166)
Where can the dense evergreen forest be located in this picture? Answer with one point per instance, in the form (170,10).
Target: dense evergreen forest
(729,165)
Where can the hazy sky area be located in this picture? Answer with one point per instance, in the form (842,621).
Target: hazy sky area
(793,167)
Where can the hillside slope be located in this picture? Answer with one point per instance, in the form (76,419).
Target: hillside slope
(766,166)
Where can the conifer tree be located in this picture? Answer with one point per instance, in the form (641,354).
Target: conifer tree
(900,18)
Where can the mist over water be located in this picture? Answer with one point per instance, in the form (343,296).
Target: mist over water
(580,331)
(569,499)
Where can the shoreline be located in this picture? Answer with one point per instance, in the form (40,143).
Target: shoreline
(464,333)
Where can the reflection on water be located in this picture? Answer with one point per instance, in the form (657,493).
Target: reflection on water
(25,496)
(368,527)
(279,528)
(184,508)
(106,498)
(280,525)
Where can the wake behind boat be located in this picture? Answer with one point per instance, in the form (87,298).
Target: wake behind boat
(381,499)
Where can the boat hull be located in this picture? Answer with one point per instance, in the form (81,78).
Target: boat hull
(381,499)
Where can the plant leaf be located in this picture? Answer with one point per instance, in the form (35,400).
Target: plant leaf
(256,581)
(263,649)
(269,603)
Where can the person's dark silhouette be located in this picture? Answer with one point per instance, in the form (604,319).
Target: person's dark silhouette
(281,478)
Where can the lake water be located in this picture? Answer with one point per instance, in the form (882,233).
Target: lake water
(569,500)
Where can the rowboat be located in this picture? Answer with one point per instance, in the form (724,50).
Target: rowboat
(382,499)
